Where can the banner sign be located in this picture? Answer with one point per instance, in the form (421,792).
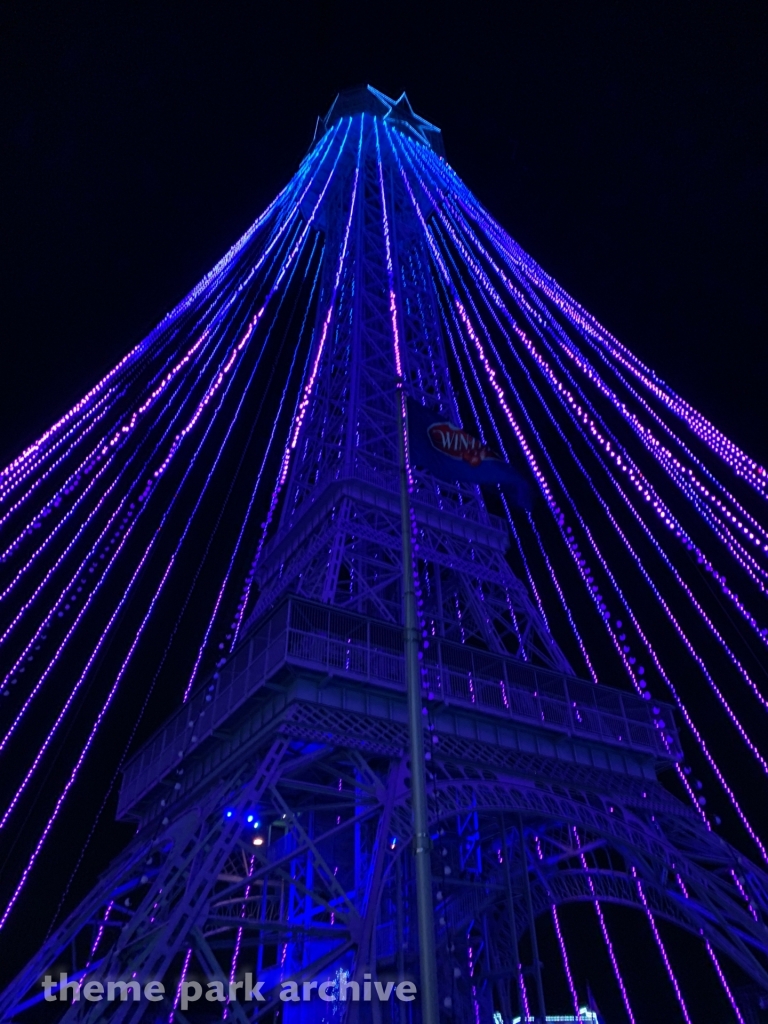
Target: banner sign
(453,453)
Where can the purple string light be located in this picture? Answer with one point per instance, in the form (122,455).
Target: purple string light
(239,939)
(604,930)
(649,493)
(100,932)
(551,501)
(254,491)
(326,323)
(103,446)
(83,568)
(182,979)
(90,597)
(78,764)
(716,962)
(603,922)
(467,391)
(41,444)
(745,896)
(444,235)
(561,943)
(35,690)
(683,585)
(309,386)
(511,523)
(660,944)
(620,406)
(127,659)
(510,520)
(480,275)
(756,475)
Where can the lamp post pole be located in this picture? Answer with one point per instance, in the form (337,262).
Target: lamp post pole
(421,839)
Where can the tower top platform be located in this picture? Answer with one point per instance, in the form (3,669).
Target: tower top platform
(365,99)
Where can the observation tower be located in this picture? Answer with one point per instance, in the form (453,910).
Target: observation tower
(378,637)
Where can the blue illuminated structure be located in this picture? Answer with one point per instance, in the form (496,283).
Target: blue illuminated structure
(273,807)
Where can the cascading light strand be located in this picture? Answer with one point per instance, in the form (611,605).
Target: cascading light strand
(625,464)
(253,492)
(554,507)
(561,944)
(110,696)
(710,679)
(537,322)
(133,513)
(532,583)
(604,930)
(713,957)
(741,463)
(103,446)
(660,944)
(550,568)
(79,763)
(35,690)
(182,979)
(327,322)
(317,154)
(239,939)
(238,348)
(128,590)
(650,495)
(246,591)
(308,389)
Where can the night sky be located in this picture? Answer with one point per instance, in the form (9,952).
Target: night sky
(623,147)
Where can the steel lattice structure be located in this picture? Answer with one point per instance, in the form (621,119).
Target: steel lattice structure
(235,478)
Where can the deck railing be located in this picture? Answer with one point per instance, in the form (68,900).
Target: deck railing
(343,644)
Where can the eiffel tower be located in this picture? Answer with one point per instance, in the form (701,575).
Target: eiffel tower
(273,809)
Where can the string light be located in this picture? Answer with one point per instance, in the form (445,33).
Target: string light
(604,929)
(561,943)
(124,665)
(660,944)
(551,501)
(182,980)
(254,492)
(716,962)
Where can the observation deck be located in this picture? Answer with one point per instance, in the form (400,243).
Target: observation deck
(324,646)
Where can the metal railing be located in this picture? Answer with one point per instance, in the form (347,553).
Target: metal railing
(343,644)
